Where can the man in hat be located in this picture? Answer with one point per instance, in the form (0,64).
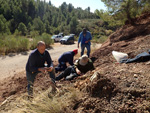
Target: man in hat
(35,64)
(64,58)
(84,38)
(81,66)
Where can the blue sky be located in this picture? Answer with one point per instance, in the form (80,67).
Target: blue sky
(93,4)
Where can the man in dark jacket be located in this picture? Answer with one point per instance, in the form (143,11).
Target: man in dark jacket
(64,58)
(35,64)
(81,66)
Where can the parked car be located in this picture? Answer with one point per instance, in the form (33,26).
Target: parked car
(57,38)
(67,39)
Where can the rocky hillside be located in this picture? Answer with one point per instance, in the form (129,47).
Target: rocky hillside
(119,87)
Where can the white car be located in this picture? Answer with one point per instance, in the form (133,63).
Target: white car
(57,38)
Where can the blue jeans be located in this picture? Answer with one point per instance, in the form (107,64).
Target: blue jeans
(88,47)
(31,77)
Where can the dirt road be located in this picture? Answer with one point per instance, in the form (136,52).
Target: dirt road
(15,63)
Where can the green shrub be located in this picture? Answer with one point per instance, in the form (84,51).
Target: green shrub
(22,28)
(146,9)
(17,33)
(34,33)
(45,37)
(2,47)
(108,32)
(99,39)
(23,44)
(102,39)
(33,43)
(12,43)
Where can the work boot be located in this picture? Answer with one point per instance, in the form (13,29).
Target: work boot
(53,85)
(30,89)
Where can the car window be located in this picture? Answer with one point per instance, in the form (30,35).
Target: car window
(66,37)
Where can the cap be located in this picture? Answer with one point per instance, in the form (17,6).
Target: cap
(75,51)
(84,60)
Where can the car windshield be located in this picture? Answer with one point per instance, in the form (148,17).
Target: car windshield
(54,36)
(66,37)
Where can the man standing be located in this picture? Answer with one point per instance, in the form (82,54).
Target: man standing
(35,64)
(84,38)
(64,58)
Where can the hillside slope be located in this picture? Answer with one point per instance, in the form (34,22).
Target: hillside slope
(119,87)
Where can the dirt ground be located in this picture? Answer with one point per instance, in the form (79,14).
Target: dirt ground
(13,77)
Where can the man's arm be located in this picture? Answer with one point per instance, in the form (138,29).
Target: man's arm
(32,63)
(89,37)
(79,40)
(70,59)
(78,71)
(76,67)
(49,62)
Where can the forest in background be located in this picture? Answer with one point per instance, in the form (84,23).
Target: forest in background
(24,19)
(29,16)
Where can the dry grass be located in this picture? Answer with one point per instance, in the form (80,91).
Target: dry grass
(43,102)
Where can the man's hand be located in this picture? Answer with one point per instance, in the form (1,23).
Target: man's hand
(86,41)
(45,69)
(49,69)
(78,71)
(42,69)
(78,45)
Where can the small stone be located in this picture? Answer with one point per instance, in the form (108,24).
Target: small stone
(135,75)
